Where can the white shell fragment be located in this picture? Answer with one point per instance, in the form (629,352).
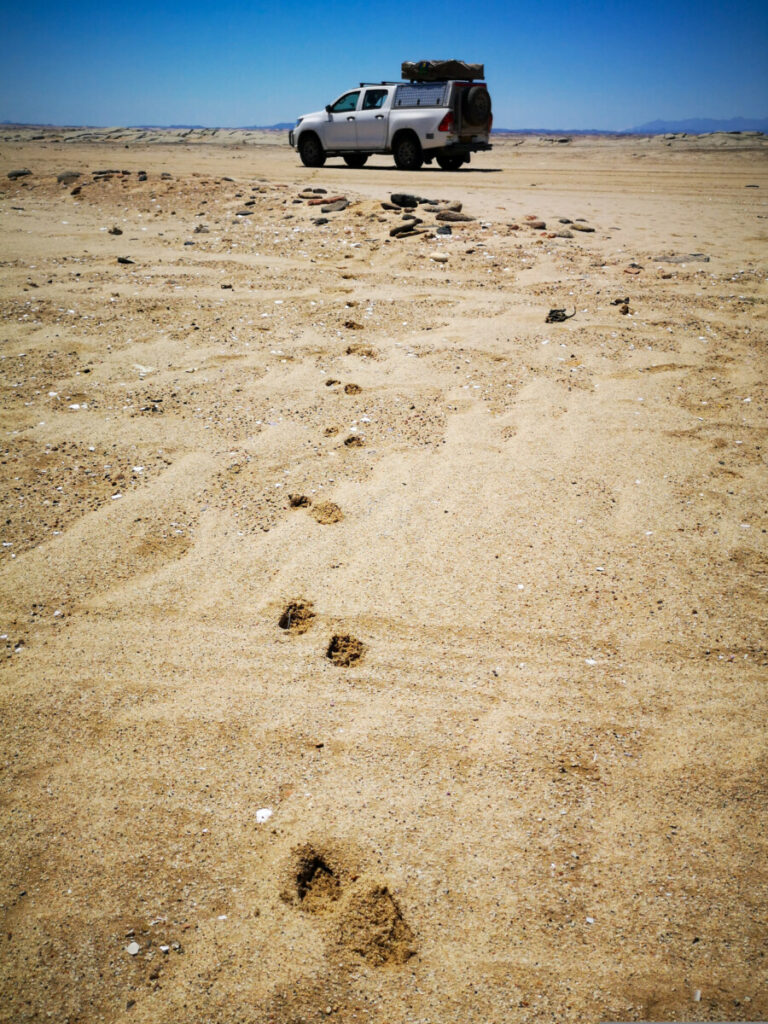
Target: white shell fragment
(263,815)
(133,948)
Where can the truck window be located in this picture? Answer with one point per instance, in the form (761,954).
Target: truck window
(346,102)
(374,99)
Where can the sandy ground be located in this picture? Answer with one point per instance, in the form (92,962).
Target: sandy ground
(375,650)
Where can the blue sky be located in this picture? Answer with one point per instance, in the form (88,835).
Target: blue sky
(548,63)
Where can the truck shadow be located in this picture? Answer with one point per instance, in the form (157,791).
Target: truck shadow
(424,170)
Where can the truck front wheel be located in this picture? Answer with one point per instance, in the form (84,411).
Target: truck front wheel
(406,150)
(311,151)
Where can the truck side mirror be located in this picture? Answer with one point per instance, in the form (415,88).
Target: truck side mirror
(327,108)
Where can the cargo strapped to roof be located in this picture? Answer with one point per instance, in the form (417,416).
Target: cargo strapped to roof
(440,70)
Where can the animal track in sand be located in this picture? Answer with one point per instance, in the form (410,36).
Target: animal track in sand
(314,884)
(354,441)
(297,617)
(326,512)
(299,501)
(365,351)
(352,389)
(345,650)
(373,927)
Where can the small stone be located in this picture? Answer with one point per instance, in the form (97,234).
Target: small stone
(68,177)
(438,257)
(335,207)
(581,227)
(13,175)
(244,213)
(115,231)
(453,216)
(444,229)
(132,948)
(537,225)
(325,201)
(123,259)
(319,221)
(563,234)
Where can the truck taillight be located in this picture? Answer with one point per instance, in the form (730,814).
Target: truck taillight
(446,125)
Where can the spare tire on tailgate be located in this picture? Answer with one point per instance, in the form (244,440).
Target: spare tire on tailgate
(477,105)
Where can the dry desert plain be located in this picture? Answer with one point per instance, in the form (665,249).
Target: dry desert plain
(375,650)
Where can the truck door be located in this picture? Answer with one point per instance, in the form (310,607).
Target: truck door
(372,119)
(340,130)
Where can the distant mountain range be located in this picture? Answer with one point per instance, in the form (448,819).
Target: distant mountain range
(702,125)
(691,126)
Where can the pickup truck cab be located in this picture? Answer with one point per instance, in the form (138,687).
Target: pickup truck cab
(417,122)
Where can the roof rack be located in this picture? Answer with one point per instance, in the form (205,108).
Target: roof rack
(363,84)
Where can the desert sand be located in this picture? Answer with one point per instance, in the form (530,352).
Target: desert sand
(376,650)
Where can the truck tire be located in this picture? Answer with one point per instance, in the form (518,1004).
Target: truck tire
(356,159)
(406,150)
(477,105)
(311,151)
(450,163)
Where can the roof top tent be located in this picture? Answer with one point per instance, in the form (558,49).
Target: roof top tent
(441,70)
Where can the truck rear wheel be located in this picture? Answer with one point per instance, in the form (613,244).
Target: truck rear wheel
(311,151)
(406,150)
(450,163)
(355,159)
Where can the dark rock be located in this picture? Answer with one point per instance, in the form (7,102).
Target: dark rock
(319,221)
(165,176)
(68,177)
(564,220)
(339,204)
(453,216)
(123,259)
(76,190)
(201,229)
(320,191)
(115,231)
(13,175)
(142,176)
(399,230)
(244,213)
(404,199)
(558,316)
(537,225)
(444,230)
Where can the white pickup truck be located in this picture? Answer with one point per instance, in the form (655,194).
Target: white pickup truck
(417,122)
